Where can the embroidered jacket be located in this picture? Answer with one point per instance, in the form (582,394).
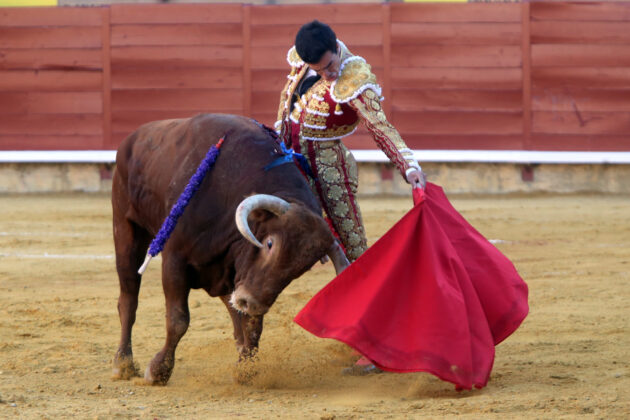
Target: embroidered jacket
(331,111)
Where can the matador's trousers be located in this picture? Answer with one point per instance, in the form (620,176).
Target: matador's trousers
(336,186)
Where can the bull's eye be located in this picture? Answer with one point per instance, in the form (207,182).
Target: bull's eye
(269,243)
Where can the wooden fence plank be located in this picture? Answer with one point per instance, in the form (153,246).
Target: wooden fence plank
(571,55)
(526,52)
(456,56)
(177,57)
(595,11)
(176,78)
(177,34)
(577,77)
(49,16)
(193,100)
(577,100)
(246,71)
(107,80)
(352,34)
(274,58)
(51,103)
(51,59)
(456,13)
(587,122)
(457,100)
(461,33)
(553,32)
(50,37)
(124,122)
(303,13)
(456,78)
(269,80)
(50,142)
(575,142)
(457,122)
(53,124)
(50,80)
(446,141)
(175,13)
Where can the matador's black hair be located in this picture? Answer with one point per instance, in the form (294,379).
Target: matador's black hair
(313,40)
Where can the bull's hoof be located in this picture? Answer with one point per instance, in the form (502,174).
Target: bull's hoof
(124,367)
(245,371)
(158,372)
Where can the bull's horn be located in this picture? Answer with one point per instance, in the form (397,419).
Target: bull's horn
(271,203)
(338,257)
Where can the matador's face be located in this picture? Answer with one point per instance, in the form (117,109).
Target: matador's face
(329,66)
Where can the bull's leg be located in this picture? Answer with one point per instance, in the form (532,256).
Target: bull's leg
(131,243)
(236,323)
(176,291)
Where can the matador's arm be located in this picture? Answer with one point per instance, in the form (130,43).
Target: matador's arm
(368,107)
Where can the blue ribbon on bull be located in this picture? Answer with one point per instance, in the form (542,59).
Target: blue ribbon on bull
(288,157)
(178,209)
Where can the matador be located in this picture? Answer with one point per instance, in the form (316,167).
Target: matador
(328,93)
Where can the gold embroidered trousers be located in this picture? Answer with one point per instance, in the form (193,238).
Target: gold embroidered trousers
(336,186)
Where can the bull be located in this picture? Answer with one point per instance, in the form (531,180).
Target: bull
(244,236)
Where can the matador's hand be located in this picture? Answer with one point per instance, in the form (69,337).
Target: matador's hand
(417,179)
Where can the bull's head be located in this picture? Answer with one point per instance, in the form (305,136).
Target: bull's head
(293,238)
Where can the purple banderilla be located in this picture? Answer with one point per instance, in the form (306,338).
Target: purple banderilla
(178,209)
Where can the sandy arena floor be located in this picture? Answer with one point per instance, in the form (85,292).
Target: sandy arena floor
(59,326)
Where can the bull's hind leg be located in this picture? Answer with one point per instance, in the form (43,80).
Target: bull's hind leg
(176,291)
(131,243)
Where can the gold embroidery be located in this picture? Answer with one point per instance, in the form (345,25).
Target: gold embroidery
(331,175)
(355,74)
(329,132)
(341,209)
(373,115)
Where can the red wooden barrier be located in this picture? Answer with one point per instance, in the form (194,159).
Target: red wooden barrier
(543,76)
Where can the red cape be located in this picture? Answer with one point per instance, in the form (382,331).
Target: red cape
(431,295)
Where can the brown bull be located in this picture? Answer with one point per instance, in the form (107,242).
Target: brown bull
(245,235)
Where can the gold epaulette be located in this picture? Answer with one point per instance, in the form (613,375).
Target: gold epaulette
(293,58)
(356,76)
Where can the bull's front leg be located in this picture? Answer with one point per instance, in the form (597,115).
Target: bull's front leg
(176,291)
(247,330)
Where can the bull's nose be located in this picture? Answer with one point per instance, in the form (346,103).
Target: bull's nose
(242,303)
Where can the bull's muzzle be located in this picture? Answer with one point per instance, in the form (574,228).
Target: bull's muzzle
(243,301)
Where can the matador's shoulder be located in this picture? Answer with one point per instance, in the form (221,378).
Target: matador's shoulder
(293,58)
(355,77)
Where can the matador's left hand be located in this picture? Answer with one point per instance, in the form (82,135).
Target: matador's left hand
(417,179)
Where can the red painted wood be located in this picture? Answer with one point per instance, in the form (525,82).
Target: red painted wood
(564,32)
(50,16)
(330,13)
(446,142)
(177,56)
(175,13)
(107,80)
(124,122)
(581,122)
(51,103)
(457,100)
(461,33)
(176,78)
(247,60)
(456,12)
(457,122)
(49,80)
(526,52)
(584,143)
(352,34)
(193,100)
(51,124)
(581,99)
(456,78)
(581,55)
(187,34)
(591,11)
(51,142)
(581,77)
(50,37)
(51,59)
(456,56)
